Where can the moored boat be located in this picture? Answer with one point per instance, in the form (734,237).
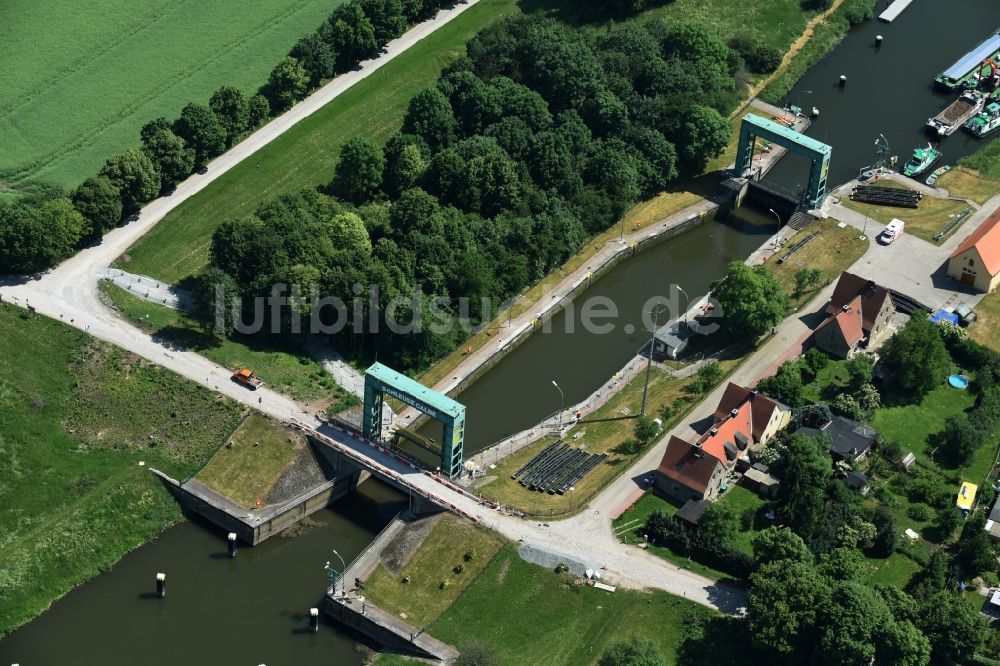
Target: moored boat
(986,121)
(921,160)
(968,104)
(940,171)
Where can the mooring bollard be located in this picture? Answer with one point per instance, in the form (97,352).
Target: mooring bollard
(232,544)
(843,79)
(161,585)
(878,40)
(314,620)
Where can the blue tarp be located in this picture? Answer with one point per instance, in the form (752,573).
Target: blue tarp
(944,315)
(969,61)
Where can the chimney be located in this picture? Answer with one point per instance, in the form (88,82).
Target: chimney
(846,308)
(753,394)
(714,431)
(734,413)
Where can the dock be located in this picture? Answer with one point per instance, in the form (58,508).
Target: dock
(893,11)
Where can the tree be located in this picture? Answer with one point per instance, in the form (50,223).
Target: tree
(953,627)
(173,159)
(860,369)
(215,294)
(851,623)
(975,549)
(610,168)
(24,243)
(64,225)
(350,34)
(868,398)
(805,278)
(846,405)
(387,17)
(779,543)
(902,644)
(916,356)
(259,110)
(429,115)
(751,299)
(708,375)
(348,233)
(202,131)
(135,176)
(645,430)
(358,174)
(476,654)
(232,109)
(287,84)
(782,606)
(948,520)
(404,170)
(317,58)
(152,127)
(634,651)
(785,385)
(802,495)
(703,135)
(720,523)
(961,438)
(100,202)
(815,360)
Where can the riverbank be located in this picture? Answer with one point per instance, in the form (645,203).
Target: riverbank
(80,424)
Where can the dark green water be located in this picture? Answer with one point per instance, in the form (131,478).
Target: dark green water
(890,90)
(218,611)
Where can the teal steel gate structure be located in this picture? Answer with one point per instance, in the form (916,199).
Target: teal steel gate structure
(381,380)
(799,144)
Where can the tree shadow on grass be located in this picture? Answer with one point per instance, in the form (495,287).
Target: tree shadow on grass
(720,641)
(182,338)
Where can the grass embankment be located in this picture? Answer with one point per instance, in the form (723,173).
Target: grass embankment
(434,581)
(248,466)
(76,417)
(604,431)
(305,155)
(80,82)
(833,251)
(928,218)
(985,161)
(283,367)
(967,184)
(525,614)
(986,328)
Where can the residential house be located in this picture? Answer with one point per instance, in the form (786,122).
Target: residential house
(849,440)
(698,471)
(993,522)
(692,511)
(688,472)
(858,316)
(976,262)
(768,417)
(857,481)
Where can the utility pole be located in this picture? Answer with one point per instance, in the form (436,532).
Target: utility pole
(649,361)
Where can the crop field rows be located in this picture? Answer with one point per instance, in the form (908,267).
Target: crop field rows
(109,67)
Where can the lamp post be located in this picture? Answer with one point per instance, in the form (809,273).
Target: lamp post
(649,360)
(340,575)
(778,217)
(798,97)
(562,402)
(686,305)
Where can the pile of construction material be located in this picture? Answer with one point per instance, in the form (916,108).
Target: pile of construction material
(557,468)
(886,196)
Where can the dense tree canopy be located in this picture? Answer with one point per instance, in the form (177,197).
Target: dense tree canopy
(751,300)
(201,130)
(916,355)
(99,202)
(135,176)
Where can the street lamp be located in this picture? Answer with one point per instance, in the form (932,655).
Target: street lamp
(562,402)
(687,305)
(778,217)
(649,359)
(798,97)
(339,576)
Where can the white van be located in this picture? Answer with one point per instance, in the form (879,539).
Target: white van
(892,231)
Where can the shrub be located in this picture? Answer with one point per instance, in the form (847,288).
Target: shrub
(919,512)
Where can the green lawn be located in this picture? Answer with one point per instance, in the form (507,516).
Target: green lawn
(305,155)
(829,381)
(912,424)
(423,598)
(250,463)
(81,78)
(895,570)
(76,418)
(282,366)
(747,504)
(924,221)
(526,614)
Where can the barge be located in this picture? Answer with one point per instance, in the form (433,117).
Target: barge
(968,104)
(967,71)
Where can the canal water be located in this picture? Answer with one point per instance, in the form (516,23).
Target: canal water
(218,611)
(518,392)
(890,90)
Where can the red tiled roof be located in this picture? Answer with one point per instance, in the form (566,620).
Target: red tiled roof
(849,323)
(850,286)
(986,240)
(714,441)
(688,465)
(761,407)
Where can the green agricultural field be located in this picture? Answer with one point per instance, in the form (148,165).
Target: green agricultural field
(525,614)
(81,78)
(76,418)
